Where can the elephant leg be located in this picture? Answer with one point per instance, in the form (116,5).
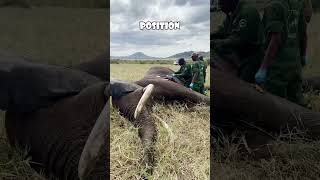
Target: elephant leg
(127,106)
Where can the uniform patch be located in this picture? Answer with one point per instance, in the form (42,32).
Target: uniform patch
(242,23)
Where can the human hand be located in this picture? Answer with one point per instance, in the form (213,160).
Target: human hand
(303,61)
(261,76)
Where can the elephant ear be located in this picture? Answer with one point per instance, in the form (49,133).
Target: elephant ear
(7,63)
(98,67)
(120,88)
(33,86)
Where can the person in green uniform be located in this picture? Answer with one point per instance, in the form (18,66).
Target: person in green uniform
(280,73)
(184,74)
(204,72)
(197,82)
(307,10)
(239,39)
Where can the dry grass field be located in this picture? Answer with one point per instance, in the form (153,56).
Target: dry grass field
(58,36)
(186,158)
(296,160)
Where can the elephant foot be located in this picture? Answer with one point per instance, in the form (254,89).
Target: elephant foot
(94,158)
(147,91)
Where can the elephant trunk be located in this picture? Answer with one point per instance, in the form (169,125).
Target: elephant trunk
(261,109)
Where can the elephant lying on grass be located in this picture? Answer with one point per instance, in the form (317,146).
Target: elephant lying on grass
(61,115)
(239,105)
(165,91)
(169,90)
(163,88)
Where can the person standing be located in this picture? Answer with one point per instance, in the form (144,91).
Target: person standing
(204,72)
(307,5)
(280,73)
(197,82)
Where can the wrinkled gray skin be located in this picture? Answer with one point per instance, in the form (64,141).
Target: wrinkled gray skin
(238,105)
(53,110)
(164,89)
(168,90)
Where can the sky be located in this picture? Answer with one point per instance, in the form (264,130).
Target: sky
(126,37)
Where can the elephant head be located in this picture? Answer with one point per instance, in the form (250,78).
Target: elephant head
(132,103)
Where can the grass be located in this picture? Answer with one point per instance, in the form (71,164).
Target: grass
(186,158)
(58,36)
(296,160)
(156,61)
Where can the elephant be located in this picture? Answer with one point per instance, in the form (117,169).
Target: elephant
(61,115)
(240,105)
(164,90)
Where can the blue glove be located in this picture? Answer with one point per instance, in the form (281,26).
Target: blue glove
(261,76)
(303,61)
(191,85)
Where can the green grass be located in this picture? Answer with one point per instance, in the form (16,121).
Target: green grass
(158,61)
(296,160)
(186,158)
(58,36)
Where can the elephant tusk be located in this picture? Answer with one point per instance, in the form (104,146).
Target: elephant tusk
(166,126)
(95,145)
(147,91)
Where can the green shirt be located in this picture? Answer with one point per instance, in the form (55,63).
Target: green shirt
(204,70)
(198,66)
(185,72)
(285,17)
(241,32)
